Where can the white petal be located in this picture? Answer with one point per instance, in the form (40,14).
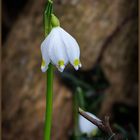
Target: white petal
(72,48)
(56,50)
(61,68)
(85,125)
(76,67)
(80,65)
(44,68)
(45,56)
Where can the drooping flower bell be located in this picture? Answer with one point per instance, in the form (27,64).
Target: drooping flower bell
(86,126)
(59,48)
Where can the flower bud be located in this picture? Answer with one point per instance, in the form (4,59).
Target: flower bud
(86,126)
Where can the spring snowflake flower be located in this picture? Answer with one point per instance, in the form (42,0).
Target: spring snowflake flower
(59,48)
(86,126)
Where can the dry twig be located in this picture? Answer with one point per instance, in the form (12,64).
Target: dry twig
(104,126)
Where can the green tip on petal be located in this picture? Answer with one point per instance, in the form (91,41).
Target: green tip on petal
(76,62)
(60,63)
(43,63)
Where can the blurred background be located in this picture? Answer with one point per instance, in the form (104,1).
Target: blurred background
(107,83)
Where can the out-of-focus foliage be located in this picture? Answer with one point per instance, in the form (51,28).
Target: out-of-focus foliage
(89,94)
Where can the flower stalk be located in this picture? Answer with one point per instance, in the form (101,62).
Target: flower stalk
(49,78)
(49,103)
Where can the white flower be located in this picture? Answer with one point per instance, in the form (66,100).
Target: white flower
(86,126)
(59,48)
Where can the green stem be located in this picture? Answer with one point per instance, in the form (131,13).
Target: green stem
(49,103)
(49,79)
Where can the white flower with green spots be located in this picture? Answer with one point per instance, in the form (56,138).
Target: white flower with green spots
(59,48)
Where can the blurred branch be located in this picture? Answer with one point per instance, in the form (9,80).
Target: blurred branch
(104,126)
